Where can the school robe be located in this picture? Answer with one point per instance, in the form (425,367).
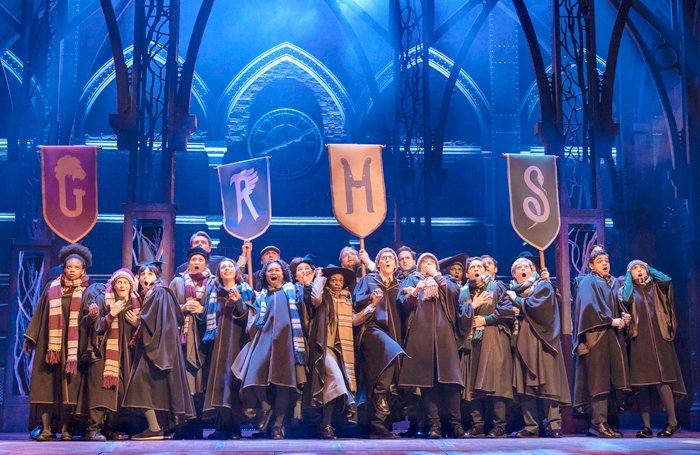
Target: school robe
(97,396)
(196,352)
(487,365)
(223,386)
(324,348)
(599,348)
(268,358)
(158,379)
(436,330)
(651,332)
(378,339)
(538,363)
(50,384)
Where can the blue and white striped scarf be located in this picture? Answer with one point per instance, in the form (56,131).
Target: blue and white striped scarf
(221,292)
(300,354)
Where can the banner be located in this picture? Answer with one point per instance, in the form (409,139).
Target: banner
(69,189)
(534,198)
(245,197)
(357,187)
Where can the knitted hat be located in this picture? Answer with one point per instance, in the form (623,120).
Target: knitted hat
(124,273)
(423,257)
(637,262)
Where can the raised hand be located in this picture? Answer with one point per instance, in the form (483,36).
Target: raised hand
(419,287)
(626,317)
(430,269)
(131,318)
(234,294)
(93,310)
(618,322)
(376,297)
(481,299)
(364,257)
(117,308)
(193,307)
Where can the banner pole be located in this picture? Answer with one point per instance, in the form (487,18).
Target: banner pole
(542,266)
(249,260)
(362,247)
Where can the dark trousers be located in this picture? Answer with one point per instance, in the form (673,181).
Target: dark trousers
(599,407)
(531,416)
(431,400)
(499,410)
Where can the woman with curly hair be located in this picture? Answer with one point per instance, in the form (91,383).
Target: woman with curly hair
(55,333)
(275,358)
(226,312)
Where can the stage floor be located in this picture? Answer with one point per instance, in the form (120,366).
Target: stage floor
(687,443)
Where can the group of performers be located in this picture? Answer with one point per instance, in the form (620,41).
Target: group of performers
(308,349)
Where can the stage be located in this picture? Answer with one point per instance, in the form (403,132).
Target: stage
(687,443)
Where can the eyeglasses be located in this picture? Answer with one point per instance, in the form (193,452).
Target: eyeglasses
(386,257)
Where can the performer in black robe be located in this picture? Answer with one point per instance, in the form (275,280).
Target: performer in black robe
(539,373)
(487,361)
(112,321)
(598,321)
(331,350)
(655,375)
(192,291)
(227,316)
(158,379)
(56,378)
(274,361)
(437,329)
(378,339)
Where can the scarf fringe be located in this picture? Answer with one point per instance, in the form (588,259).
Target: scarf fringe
(53,357)
(72,367)
(109,381)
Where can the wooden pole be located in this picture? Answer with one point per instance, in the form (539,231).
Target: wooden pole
(362,247)
(542,266)
(249,260)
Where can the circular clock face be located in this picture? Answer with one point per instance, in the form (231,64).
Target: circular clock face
(290,138)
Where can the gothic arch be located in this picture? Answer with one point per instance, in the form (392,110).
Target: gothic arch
(286,60)
(443,65)
(105,75)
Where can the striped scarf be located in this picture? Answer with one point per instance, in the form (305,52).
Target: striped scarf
(300,354)
(431,290)
(110,376)
(478,285)
(345,334)
(523,290)
(218,296)
(192,291)
(57,288)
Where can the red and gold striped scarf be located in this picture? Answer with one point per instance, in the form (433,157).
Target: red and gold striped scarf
(58,287)
(110,376)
